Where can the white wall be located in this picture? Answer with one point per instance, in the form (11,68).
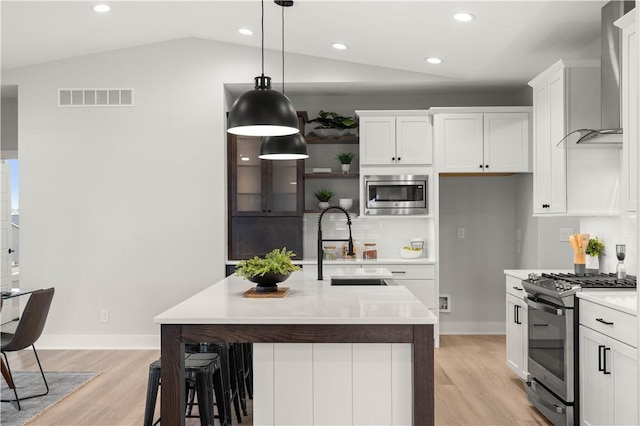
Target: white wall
(471,269)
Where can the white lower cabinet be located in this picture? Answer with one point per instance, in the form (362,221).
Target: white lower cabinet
(608,376)
(332,384)
(517,335)
(419,280)
(517,319)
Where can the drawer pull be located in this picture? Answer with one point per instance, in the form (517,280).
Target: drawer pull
(517,288)
(398,272)
(603,321)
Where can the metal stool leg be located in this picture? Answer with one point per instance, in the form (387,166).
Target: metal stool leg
(152,394)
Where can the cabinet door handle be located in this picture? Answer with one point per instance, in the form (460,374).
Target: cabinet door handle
(393,158)
(481,166)
(517,314)
(604,361)
(399,158)
(603,321)
(600,348)
(486,166)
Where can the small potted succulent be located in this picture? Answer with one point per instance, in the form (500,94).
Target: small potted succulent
(323,196)
(594,249)
(345,159)
(333,124)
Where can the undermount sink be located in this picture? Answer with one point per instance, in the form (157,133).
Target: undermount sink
(358,281)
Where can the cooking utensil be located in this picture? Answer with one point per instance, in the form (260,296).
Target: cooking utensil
(573,241)
(584,242)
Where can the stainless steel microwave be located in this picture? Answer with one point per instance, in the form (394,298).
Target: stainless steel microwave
(396,195)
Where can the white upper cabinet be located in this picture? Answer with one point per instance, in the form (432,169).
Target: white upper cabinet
(569,178)
(630,96)
(491,142)
(549,161)
(395,137)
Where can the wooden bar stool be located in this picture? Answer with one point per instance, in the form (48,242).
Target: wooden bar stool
(204,379)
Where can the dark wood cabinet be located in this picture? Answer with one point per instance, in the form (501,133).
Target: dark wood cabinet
(265,199)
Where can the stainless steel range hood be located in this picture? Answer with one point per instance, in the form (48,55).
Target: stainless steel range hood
(610,129)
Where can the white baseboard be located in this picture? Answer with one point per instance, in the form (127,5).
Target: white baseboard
(472,327)
(98,342)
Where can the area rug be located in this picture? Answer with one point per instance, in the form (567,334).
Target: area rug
(61,385)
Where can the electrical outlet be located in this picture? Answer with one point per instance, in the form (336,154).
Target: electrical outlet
(460,233)
(104,316)
(565,233)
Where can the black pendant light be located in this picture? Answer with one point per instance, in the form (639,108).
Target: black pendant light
(262,111)
(290,147)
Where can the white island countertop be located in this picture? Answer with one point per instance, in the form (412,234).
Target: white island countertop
(620,300)
(308,302)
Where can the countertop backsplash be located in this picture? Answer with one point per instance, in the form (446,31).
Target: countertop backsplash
(611,231)
(390,233)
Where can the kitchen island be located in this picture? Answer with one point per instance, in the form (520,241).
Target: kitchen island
(369,319)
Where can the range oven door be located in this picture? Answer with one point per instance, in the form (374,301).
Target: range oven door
(551,346)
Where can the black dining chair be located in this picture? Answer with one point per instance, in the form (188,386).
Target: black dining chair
(29,329)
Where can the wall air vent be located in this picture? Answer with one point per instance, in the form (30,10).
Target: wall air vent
(95,98)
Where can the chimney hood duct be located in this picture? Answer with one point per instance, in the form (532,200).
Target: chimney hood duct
(610,130)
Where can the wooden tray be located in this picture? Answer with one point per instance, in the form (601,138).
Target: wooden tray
(279,293)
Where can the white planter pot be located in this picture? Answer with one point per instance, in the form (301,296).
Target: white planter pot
(593,264)
(346,168)
(323,205)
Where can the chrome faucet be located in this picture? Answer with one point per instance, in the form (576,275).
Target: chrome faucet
(320,240)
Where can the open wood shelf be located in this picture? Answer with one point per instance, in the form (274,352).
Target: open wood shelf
(331,175)
(329,140)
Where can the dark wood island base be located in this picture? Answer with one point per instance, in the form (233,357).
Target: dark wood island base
(174,337)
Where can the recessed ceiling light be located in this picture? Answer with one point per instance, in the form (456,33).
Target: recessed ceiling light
(101,8)
(245,158)
(339,46)
(433,60)
(245,31)
(463,17)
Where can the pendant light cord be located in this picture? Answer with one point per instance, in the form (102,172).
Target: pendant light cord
(262,30)
(283,50)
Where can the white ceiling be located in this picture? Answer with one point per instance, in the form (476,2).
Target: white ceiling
(507,44)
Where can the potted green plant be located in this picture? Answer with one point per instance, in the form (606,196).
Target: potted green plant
(323,196)
(345,159)
(275,267)
(594,249)
(333,124)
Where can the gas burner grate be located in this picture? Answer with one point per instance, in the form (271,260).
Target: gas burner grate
(603,280)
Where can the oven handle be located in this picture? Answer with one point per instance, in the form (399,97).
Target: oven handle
(550,406)
(545,308)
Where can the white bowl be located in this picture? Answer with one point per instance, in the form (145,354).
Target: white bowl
(410,254)
(345,203)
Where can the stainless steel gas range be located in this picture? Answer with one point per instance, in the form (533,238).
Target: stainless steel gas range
(552,384)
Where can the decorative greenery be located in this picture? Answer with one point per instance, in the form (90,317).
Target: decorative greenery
(595,247)
(333,120)
(345,157)
(277,261)
(324,195)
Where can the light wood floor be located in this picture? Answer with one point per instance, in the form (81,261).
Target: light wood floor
(473,385)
